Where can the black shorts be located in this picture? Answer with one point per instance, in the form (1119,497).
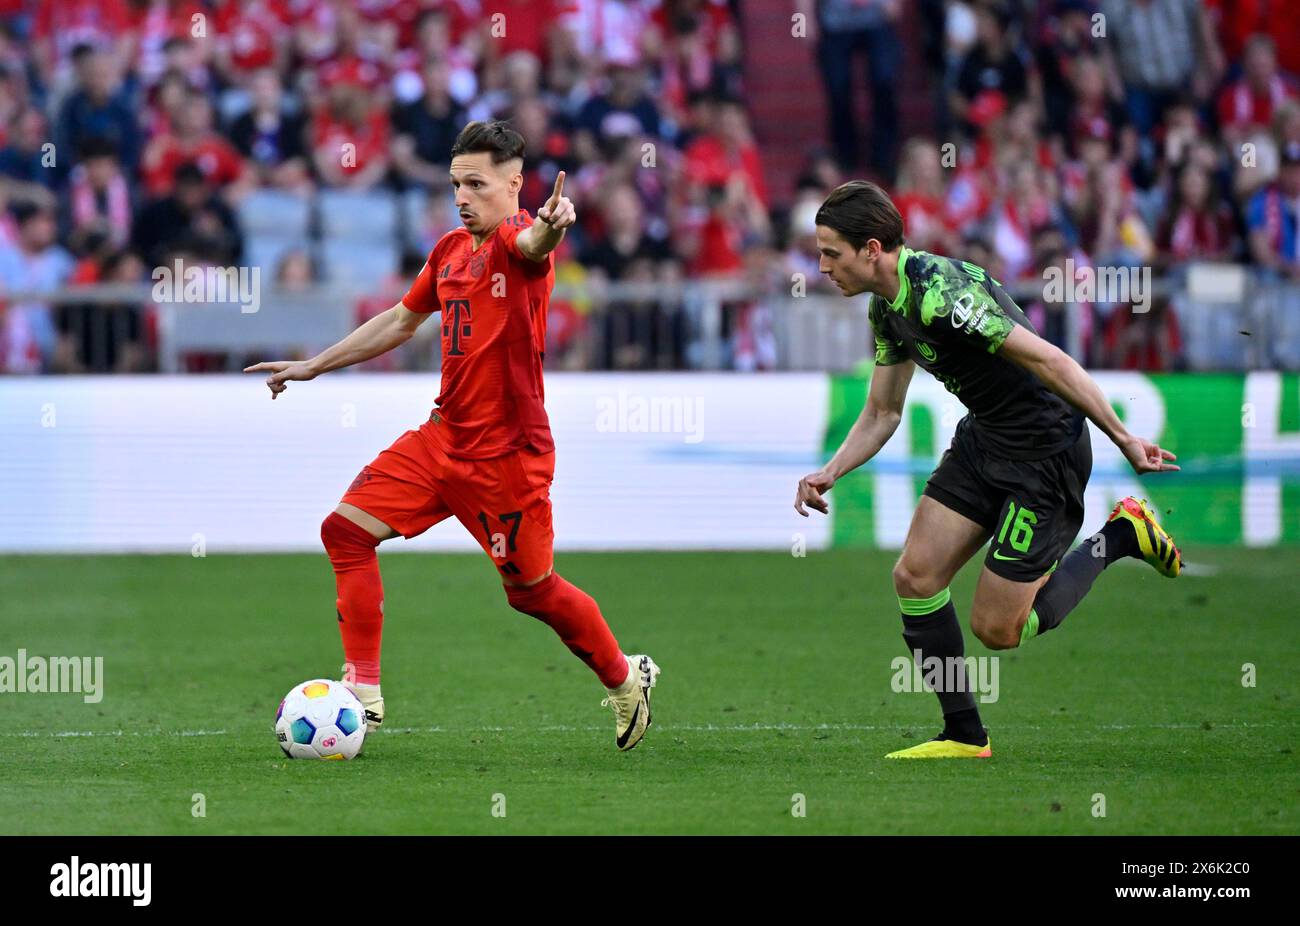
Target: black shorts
(1033,508)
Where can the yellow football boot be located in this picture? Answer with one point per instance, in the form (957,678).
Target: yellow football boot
(944,749)
(1156,545)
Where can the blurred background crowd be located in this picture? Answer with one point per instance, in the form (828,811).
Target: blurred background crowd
(310,138)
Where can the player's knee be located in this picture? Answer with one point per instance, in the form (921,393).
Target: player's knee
(910,582)
(994,633)
(530,597)
(527,583)
(329,532)
(342,537)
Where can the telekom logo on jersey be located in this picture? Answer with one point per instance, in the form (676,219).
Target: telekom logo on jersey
(456,322)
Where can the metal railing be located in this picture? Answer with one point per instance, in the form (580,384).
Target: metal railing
(1230,318)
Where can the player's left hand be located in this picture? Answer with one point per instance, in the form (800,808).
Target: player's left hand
(810,491)
(1146,457)
(558,211)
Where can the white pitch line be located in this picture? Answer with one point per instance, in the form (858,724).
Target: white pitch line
(72,733)
(816,728)
(674,728)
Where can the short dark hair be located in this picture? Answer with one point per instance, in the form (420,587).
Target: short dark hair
(23,211)
(497,138)
(859,211)
(96,146)
(189,172)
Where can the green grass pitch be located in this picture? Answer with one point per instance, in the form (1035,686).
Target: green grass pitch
(776,683)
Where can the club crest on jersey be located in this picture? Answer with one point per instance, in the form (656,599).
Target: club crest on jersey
(926,351)
(477,264)
(362,478)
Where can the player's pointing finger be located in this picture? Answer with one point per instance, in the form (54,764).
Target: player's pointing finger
(559,187)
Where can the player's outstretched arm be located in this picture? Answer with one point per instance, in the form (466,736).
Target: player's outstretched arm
(1061,374)
(873,429)
(545,235)
(377,336)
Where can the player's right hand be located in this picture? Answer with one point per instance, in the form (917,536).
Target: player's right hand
(811,488)
(1146,457)
(282,371)
(558,211)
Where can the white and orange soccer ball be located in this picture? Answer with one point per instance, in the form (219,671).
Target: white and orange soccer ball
(320,719)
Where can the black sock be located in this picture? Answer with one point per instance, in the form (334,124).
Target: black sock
(935,632)
(1078,570)
(964,727)
(1118,541)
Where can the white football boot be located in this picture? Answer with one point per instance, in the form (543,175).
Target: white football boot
(370,699)
(631,702)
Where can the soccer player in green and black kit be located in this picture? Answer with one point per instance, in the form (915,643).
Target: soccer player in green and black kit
(1017,466)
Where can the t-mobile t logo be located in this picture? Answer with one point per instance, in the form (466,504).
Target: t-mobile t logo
(455,325)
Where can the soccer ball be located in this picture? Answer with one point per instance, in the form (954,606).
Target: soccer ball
(320,719)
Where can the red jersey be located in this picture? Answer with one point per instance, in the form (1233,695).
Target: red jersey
(216,157)
(493,302)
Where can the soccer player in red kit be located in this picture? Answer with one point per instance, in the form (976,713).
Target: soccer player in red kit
(485,456)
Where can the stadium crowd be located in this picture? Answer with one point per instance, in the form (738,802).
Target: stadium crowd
(137,132)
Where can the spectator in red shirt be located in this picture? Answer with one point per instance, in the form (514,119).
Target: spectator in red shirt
(354,59)
(1234,21)
(1249,103)
(194,141)
(350,139)
(1149,341)
(1198,223)
(155,24)
(727,150)
(601,31)
(921,196)
(438,38)
(700,50)
(722,219)
(1026,206)
(518,25)
(62,25)
(1095,114)
(251,35)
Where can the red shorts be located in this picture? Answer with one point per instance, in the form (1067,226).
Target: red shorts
(504,502)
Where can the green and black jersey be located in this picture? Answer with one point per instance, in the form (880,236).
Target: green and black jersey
(951,318)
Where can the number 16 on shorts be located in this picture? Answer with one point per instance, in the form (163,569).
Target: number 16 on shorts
(1017,529)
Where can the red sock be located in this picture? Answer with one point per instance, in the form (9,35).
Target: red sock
(360,604)
(576,617)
